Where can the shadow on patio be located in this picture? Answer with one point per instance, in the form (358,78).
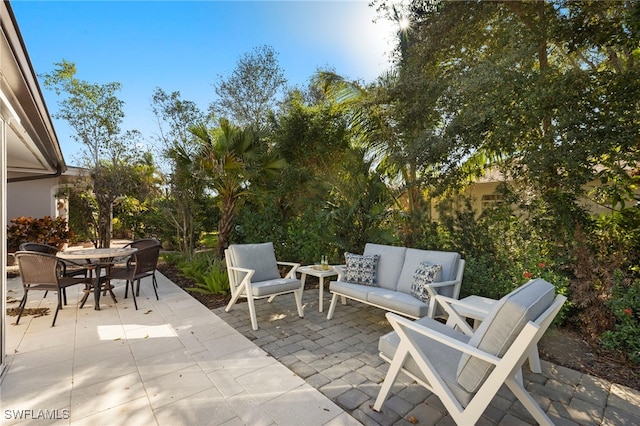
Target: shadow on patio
(172,362)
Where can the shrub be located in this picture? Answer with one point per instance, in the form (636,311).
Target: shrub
(625,304)
(46,230)
(208,272)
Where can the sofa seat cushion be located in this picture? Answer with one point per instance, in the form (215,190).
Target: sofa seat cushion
(443,358)
(414,257)
(355,291)
(389,264)
(398,302)
(361,269)
(501,327)
(268,287)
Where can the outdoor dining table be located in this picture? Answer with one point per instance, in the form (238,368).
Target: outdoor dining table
(97,258)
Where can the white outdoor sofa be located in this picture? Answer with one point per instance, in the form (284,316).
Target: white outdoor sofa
(395,274)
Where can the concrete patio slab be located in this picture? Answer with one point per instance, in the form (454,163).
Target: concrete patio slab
(171,362)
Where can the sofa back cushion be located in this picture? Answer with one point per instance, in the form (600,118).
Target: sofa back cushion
(389,263)
(261,257)
(414,257)
(501,327)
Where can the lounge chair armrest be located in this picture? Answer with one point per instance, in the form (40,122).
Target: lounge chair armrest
(457,303)
(402,324)
(292,271)
(248,271)
(454,319)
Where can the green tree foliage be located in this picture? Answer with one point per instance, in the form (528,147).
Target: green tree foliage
(230,159)
(250,93)
(95,113)
(181,207)
(545,92)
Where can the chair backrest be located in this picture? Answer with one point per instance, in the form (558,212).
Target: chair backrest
(143,243)
(37,268)
(40,248)
(501,327)
(146,259)
(414,257)
(260,257)
(389,264)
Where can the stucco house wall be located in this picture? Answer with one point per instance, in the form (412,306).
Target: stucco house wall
(37,198)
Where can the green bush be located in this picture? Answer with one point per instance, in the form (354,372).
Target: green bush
(208,272)
(625,304)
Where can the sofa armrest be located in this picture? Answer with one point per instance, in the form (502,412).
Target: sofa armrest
(341,270)
(454,317)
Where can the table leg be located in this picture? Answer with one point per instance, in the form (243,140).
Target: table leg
(320,300)
(96,288)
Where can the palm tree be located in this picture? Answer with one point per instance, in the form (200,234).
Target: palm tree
(230,158)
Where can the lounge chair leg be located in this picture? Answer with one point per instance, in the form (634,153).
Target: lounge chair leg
(234,299)
(394,369)
(252,313)
(529,403)
(534,361)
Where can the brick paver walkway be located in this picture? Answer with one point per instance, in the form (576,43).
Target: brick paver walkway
(339,357)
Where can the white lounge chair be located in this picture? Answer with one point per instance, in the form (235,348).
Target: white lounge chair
(253,274)
(466,370)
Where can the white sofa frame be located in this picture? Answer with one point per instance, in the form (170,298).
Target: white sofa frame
(454,284)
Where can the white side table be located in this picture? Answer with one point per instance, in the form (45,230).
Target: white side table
(477,308)
(315,271)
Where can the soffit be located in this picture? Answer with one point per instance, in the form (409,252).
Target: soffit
(32,145)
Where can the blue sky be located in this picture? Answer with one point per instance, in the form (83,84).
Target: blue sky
(184,46)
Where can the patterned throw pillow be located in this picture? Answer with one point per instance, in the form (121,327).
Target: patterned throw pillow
(425,274)
(361,269)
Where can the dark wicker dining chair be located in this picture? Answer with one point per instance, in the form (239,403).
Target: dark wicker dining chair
(142,264)
(69,267)
(41,271)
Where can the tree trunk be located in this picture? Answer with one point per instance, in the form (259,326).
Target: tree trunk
(225,225)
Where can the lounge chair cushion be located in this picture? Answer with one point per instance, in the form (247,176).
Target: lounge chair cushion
(389,264)
(423,276)
(264,288)
(259,257)
(361,269)
(442,357)
(501,327)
